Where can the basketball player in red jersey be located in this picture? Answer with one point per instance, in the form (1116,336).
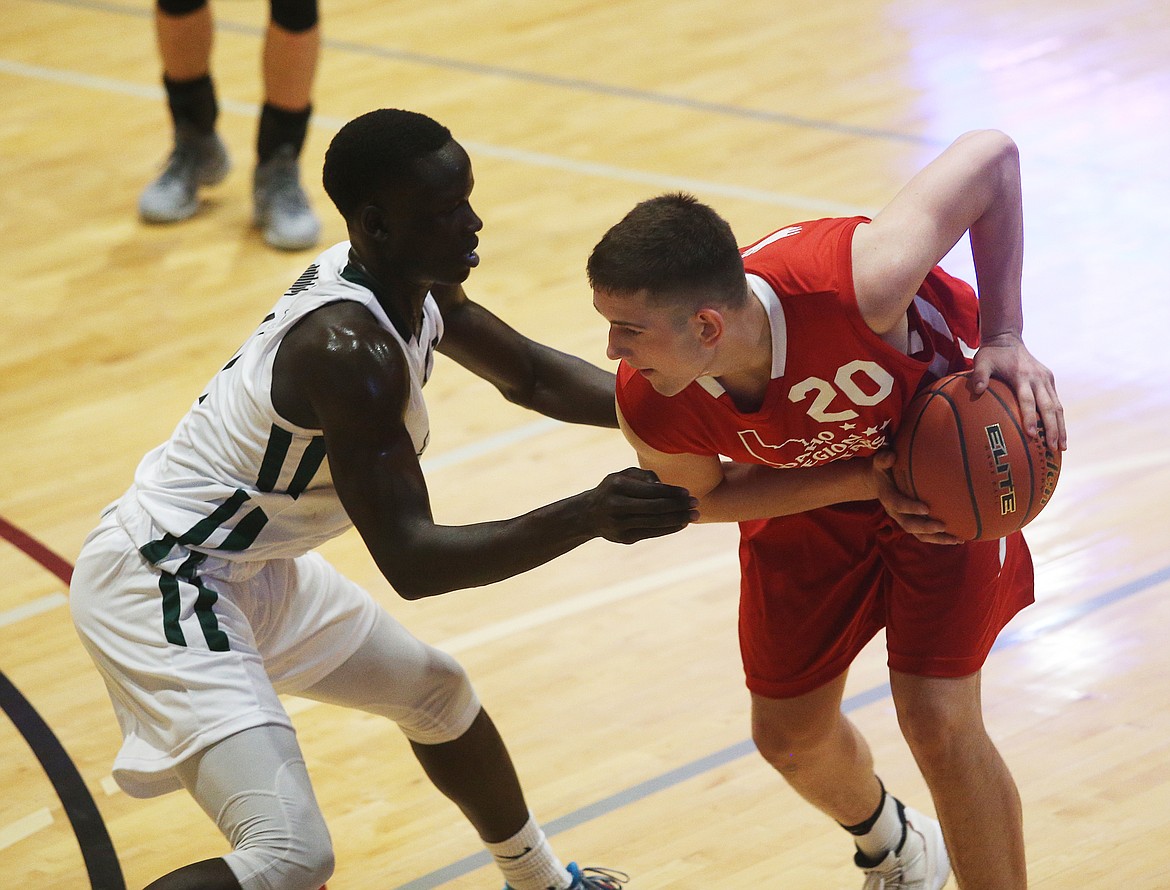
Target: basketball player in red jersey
(728,382)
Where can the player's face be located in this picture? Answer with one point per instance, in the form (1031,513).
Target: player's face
(662,343)
(432,228)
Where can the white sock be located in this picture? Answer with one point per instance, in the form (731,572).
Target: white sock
(885,833)
(528,862)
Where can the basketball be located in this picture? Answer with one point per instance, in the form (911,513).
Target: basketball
(970,460)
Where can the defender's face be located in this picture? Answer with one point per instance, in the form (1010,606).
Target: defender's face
(432,228)
(661,343)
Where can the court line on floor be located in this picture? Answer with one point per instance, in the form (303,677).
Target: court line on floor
(32,608)
(93,838)
(502,630)
(634,794)
(557,81)
(476,148)
(26,826)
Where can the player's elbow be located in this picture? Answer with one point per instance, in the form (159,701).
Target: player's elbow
(997,151)
(1003,149)
(413,585)
(996,141)
(520,393)
(410,574)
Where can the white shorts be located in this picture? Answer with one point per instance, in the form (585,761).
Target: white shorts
(189,663)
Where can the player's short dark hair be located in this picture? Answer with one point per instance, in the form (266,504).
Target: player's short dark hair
(374,149)
(670,246)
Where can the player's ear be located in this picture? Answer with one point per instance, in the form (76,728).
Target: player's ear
(710,324)
(373,221)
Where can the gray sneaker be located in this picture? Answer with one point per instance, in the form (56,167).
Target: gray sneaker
(920,864)
(197,159)
(280,206)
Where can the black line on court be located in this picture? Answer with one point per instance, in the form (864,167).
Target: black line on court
(574,84)
(669,779)
(101,861)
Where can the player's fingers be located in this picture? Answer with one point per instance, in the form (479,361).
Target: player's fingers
(649,527)
(979,377)
(1062,430)
(649,490)
(898,504)
(939,538)
(1026,397)
(1053,413)
(658,513)
(662,503)
(920,524)
(1052,416)
(640,474)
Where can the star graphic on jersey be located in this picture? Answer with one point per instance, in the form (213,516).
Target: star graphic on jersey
(848,426)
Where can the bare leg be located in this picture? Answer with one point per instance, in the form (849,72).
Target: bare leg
(289,66)
(184,43)
(819,752)
(475,772)
(975,796)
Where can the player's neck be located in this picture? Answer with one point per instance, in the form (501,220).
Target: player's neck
(745,361)
(401,299)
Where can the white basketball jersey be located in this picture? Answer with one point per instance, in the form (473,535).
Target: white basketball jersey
(237,481)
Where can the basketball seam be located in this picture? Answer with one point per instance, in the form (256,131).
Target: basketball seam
(910,451)
(975,511)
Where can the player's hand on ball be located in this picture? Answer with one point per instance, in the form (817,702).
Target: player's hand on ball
(632,505)
(913,516)
(1005,356)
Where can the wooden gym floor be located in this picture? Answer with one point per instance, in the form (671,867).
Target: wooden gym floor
(612,672)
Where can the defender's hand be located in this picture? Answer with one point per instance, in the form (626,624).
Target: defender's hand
(632,505)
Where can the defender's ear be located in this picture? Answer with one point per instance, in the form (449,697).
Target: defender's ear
(373,221)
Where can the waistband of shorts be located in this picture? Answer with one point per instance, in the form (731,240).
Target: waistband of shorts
(142,530)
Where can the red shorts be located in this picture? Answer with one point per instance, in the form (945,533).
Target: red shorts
(817,586)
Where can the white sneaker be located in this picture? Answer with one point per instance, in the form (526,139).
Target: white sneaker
(921,863)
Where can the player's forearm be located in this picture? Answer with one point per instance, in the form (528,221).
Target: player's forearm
(571,389)
(997,240)
(438,559)
(759,492)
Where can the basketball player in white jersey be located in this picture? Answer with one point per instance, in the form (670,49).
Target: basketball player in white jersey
(199,597)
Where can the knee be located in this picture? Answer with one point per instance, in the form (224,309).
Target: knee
(309,868)
(786,745)
(935,728)
(279,840)
(296,854)
(291,868)
(444,705)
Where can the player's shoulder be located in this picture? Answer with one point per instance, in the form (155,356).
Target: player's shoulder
(799,237)
(341,340)
(811,257)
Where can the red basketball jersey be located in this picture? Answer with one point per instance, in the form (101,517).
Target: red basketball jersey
(838,389)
